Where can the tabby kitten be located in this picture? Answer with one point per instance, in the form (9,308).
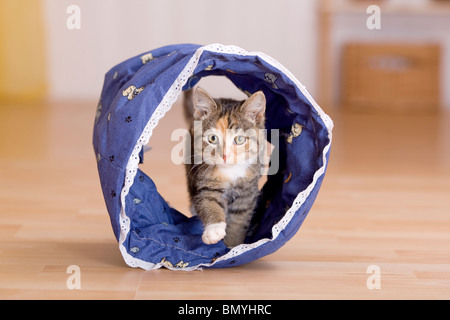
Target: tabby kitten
(223,186)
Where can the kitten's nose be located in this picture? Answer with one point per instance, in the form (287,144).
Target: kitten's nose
(224,158)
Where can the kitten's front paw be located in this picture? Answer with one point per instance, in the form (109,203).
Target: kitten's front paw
(214,232)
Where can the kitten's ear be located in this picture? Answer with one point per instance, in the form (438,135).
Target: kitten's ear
(203,104)
(188,105)
(254,107)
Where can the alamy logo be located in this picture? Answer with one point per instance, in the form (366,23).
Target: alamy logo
(374,280)
(211,147)
(74,280)
(73,21)
(374,20)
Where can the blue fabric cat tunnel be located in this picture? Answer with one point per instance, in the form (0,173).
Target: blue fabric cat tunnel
(136,95)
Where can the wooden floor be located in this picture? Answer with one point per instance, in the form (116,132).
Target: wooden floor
(385,202)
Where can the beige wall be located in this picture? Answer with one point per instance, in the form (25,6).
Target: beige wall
(114,30)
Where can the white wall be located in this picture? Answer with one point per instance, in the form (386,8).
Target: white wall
(114,30)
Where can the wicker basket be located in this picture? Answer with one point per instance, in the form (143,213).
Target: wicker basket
(390,77)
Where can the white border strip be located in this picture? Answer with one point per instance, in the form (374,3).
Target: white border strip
(164,106)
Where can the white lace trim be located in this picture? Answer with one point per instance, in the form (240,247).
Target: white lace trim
(165,105)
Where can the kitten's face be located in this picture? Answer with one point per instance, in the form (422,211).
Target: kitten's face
(230,128)
(225,145)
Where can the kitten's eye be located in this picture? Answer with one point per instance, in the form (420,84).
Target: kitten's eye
(212,138)
(240,140)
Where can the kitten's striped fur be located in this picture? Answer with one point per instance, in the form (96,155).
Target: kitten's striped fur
(224,195)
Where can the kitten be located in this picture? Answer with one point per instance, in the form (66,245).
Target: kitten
(223,188)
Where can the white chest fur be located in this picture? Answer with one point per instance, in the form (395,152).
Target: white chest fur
(233,172)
